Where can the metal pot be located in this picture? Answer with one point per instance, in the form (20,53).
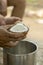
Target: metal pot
(22,54)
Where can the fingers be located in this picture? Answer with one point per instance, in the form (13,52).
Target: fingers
(2,20)
(9,20)
(9,39)
(16,36)
(9,44)
(12,20)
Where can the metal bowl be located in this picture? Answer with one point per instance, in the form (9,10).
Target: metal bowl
(22,54)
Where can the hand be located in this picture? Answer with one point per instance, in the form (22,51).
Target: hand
(5,40)
(9,20)
(12,20)
(8,39)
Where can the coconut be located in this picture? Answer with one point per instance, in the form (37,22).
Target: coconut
(19,27)
(19,31)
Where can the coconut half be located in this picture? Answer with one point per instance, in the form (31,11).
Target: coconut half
(19,27)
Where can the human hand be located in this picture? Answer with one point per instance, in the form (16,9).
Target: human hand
(8,39)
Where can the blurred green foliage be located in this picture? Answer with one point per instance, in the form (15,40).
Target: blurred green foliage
(30,0)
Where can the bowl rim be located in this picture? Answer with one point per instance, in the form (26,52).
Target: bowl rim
(33,52)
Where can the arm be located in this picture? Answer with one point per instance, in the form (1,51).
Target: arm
(19,7)
(3,7)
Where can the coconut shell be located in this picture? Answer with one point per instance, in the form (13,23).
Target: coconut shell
(19,35)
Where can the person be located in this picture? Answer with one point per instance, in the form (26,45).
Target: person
(5,35)
(17,14)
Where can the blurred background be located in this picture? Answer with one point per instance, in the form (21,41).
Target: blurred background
(33,18)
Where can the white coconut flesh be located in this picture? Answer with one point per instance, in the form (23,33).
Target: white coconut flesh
(19,27)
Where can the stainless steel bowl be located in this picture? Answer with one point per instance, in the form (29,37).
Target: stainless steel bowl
(22,54)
